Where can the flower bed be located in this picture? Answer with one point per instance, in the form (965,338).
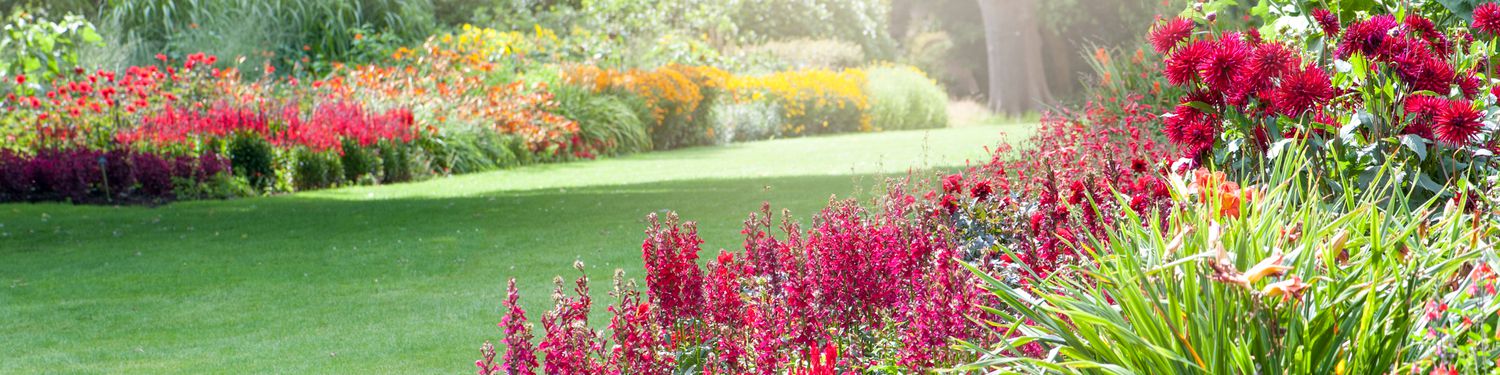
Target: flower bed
(469,101)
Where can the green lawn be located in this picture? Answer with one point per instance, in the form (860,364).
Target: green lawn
(390,279)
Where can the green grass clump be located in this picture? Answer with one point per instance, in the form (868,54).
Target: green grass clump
(606,118)
(902,98)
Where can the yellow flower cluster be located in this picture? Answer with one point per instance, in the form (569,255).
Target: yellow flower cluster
(491,45)
(812,101)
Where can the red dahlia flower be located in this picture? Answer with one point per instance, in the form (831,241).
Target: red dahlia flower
(1487,18)
(1423,27)
(1182,65)
(1226,63)
(1168,34)
(1457,123)
(982,190)
(1328,21)
(1366,37)
(1273,60)
(1303,90)
(1192,130)
(1425,71)
(953,183)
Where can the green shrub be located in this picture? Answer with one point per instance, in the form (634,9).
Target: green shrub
(220,186)
(395,163)
(41,49)
(360,163)
(316,170)
(902,98)
(253,159)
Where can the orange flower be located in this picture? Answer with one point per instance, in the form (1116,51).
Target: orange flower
(1289,289)
(1230,195)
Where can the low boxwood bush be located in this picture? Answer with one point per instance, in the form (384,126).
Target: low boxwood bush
(902,97)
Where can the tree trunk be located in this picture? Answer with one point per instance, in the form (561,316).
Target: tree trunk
(1013,43)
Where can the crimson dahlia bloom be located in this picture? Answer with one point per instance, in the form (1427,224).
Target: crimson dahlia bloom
(1327,21)
(1366,37)
(1425,71)
(1226,63)
(953,183)
(1168,34)
(1192,129)
(1273,60)
(1457,123)
(1182,65)
(1423,27)
(1487,18)
(1303,90)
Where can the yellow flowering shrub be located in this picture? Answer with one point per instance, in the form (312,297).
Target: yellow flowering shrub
(812,101)
(490,45)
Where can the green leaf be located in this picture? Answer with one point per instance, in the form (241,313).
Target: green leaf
(1201,106)
(1416,145)
(1428,183)
(1461,8)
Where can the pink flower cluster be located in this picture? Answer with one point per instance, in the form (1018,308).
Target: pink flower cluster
(864,288)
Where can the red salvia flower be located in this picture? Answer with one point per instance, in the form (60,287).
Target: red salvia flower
(520,354)
(1169,33)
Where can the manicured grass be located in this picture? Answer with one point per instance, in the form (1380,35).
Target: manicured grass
(390,279)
